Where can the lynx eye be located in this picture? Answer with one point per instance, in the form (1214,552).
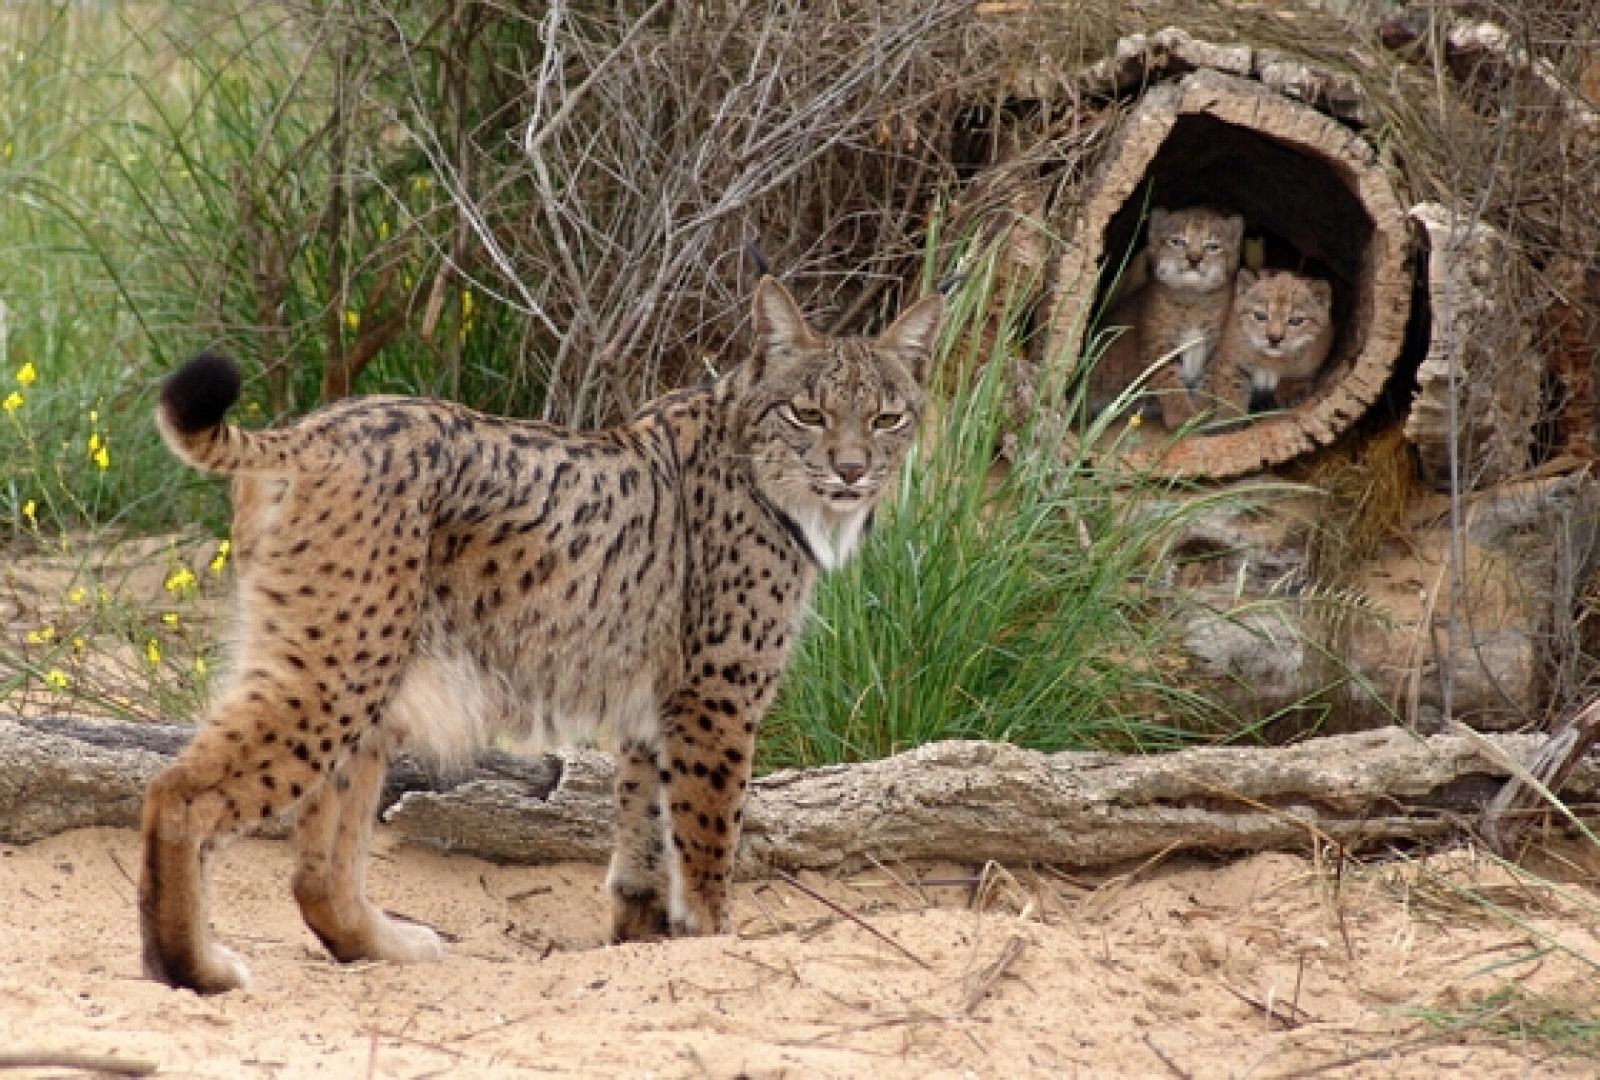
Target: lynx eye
(888,421)
(1259,316)
(1297,320)
(803,417)
(1177,241)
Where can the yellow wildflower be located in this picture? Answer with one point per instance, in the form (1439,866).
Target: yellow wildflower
(26,375)
(42,637)
(352,319)
(152,652)
(94,418)
(55,679)
(102,458)
(181,581)
(170,618)
(78,645)
(13,402)
(219,562)
(29,509)
(78,594)
(199,665)
(1134,419)
(95,442)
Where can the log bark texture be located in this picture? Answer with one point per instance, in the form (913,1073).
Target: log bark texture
(949,801)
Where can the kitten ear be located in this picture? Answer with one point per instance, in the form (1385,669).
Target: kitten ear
(1321,292)
(912,335)
(1233,224)
(1158,220)
(1245,280)
(778,321)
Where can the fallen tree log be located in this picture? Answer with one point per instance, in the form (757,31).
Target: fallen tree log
(961,801)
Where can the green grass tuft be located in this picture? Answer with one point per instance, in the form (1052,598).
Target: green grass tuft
(1022,604)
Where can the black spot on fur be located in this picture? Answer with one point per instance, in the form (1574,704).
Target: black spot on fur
(196,396)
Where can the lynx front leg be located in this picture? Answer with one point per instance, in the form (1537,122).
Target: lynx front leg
(1172,384)
(636,881)
(709,745)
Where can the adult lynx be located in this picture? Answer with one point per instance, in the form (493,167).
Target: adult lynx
(414,572)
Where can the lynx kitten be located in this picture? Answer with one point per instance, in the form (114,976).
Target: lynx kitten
(1280,327)
(412,572)
(1177,317)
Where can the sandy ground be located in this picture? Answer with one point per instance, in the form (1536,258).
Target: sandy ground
(1265,966)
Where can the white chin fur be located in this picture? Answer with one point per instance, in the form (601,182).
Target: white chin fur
(1185,278)
(834,535)
(1264,380)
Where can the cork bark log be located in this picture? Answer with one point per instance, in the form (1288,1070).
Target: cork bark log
(1478,389)
(1312,191)
(949,801)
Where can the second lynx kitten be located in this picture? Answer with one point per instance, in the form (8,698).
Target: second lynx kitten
(1177,317)
(1280,327)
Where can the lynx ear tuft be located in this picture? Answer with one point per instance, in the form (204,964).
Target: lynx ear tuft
(778,322)
(913,334)
(1244,281)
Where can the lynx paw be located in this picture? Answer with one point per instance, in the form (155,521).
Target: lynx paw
(219,970)
(401,942)
(637,915)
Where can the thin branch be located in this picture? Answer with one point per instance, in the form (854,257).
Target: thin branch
(794,882)
(76,1059)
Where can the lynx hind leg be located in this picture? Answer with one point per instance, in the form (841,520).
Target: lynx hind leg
(332,835)
(232,773)
(637,880)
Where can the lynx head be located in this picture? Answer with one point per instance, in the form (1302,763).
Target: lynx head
(1195,249)
(1281,312)
(828,420)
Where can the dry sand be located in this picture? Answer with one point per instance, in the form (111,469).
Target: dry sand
(1264,966)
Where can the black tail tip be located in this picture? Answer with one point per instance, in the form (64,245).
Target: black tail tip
(197,396)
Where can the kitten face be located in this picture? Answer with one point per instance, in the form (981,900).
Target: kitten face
(1280,312)
(1195,249)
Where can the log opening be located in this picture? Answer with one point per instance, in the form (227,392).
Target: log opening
(1314,197)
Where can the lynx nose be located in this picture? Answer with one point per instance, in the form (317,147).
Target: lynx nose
(850,471)
(1196,257)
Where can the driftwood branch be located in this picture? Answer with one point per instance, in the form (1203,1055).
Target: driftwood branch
(959,800)
(1520,802)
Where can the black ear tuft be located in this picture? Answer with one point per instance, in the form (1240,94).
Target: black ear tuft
(197,396)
